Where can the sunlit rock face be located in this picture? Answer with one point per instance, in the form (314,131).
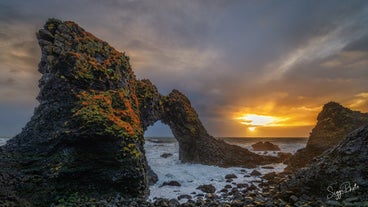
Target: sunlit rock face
(340,173)
(85,138)
(334,123)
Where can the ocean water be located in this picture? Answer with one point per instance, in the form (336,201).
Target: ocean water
(3,140)
(190,176)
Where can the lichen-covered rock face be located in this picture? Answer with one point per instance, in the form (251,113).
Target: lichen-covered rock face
(338,174)
(86,134)
(334,123)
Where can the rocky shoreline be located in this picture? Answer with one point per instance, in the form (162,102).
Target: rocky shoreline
(232,195)
(84,145)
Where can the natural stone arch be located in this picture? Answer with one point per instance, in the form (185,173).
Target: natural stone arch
(195,144)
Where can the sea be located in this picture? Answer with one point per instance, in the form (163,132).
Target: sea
(190,176)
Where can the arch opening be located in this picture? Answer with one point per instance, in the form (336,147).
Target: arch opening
(158,130)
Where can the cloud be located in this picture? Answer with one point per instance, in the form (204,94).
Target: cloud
(283,59)
(319,47)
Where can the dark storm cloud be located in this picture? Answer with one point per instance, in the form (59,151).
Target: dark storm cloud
(227,56)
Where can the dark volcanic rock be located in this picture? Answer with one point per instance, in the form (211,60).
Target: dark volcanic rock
(344,167)
(171,183)
(334,123)
(166,155)
(265,146)
(152,176)
(255,173)
(207,188)
(230,176)
(85,136)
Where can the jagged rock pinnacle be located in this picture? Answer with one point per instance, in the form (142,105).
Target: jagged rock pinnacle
(334,123)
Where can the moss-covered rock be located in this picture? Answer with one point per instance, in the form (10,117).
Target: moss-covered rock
(85,137)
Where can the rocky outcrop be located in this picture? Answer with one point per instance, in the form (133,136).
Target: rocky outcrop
(85,139)
(85,136)
(265,146)
(334,123)
(338,174)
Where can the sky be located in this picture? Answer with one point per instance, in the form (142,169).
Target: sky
(249,67)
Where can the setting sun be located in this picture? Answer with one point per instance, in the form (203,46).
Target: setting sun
(286,123)
(252,129)
(255,120)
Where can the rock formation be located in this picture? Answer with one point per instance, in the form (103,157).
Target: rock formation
(85,138)
(334,123)
(265,146)
(342,168)
(86,134)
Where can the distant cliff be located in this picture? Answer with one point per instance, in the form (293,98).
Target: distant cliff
(334,123)
(85,139)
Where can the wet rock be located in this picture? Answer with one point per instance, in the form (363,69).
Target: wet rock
(242,185)
(228,186)
(293,198)
(185,196)
(171,183)
(166,155)
(265,146)
(230,176)
(152,176)
(207,188)
(224,190)
(255,173)
(174,202)
(252,187)
(269,176)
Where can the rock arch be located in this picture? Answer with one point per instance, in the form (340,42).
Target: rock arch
(195,144)
(86,135)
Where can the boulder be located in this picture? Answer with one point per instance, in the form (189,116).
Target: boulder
(265,146)
(334,122)
(207,188)
(171,183)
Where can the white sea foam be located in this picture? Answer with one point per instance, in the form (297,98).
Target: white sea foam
(3,140)
(190,176)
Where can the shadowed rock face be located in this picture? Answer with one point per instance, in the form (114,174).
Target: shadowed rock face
(334,123)
(86,135)
(342,167)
